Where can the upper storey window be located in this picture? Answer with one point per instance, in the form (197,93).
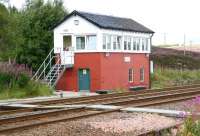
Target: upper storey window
(91,42)
(119,42)
(138,44)
(134,44)
(147,44)
(80,43)
(127,43)
(86,42)
(107,42)
(114,42)
(143,44)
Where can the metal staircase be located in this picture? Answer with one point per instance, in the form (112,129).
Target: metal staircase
(53,67)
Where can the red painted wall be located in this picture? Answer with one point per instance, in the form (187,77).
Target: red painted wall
(106,72)
(114,70)
(69,80)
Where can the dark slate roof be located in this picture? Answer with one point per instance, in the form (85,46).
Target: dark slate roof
(111,22)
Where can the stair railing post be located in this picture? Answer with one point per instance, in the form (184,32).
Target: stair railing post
(44,70)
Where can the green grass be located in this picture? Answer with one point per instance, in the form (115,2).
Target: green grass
(167,77)
(32,89)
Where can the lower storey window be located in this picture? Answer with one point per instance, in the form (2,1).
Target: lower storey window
(130,75)
(141,74)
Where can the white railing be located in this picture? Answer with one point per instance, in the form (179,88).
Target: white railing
(65,58)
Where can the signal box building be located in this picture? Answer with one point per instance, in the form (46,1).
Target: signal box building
(102,52)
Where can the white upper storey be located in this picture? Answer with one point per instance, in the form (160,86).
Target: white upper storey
(78,34)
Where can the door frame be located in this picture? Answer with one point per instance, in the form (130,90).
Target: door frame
(89,79)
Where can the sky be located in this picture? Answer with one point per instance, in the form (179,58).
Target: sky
(171,20)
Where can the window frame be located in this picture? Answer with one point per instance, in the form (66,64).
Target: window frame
(107,42)
(119,42)
(142,76)
(125,42)
(81,36)
(87,41)
(130,75)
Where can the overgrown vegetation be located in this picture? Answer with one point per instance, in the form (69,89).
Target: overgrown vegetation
(15,82)
(190,128)
(26,35)
(176,61)
(165,77)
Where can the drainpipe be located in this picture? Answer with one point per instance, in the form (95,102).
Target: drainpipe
(149,61)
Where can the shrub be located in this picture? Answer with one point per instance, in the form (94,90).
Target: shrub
(5,80)
(22,80)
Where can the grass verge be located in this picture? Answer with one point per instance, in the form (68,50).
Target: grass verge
(166,77)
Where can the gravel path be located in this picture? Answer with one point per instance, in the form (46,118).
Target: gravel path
(112,124)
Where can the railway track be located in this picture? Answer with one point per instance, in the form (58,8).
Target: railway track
(99,99)
(13,123)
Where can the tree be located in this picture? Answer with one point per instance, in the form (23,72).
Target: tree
(4,20)
(9,36)
(36,26)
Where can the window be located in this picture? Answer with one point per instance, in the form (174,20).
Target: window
(125,43)
(76,22)
(119,42)
(129,43)
(67,43)
(130,75)
(134,44)
(114,42)
(141,74)
(80,43)
(143,44)
(106,41)
(91,42)
(147,44)
(138,44)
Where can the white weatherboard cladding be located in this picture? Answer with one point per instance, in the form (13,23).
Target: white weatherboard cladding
(84,28)
(68,27)
(125,33)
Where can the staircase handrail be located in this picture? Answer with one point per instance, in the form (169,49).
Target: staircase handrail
(43,63)
(57,63)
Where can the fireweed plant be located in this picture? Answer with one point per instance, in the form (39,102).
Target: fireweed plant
(191,125)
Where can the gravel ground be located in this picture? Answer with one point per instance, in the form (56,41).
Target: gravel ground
(182,106)
(61,116)
(112,124)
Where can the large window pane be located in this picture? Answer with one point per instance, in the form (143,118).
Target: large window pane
(104,41)
(137,44)
(125,43)
(119,42)
(134,44)
(129,43)
(108,41)
(147,45)
(80,43)
(141,74)
(130,75)
(143,44)
(114,42)
(91,42)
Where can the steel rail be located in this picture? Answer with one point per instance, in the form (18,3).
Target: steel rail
(100,98)
(137,102)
